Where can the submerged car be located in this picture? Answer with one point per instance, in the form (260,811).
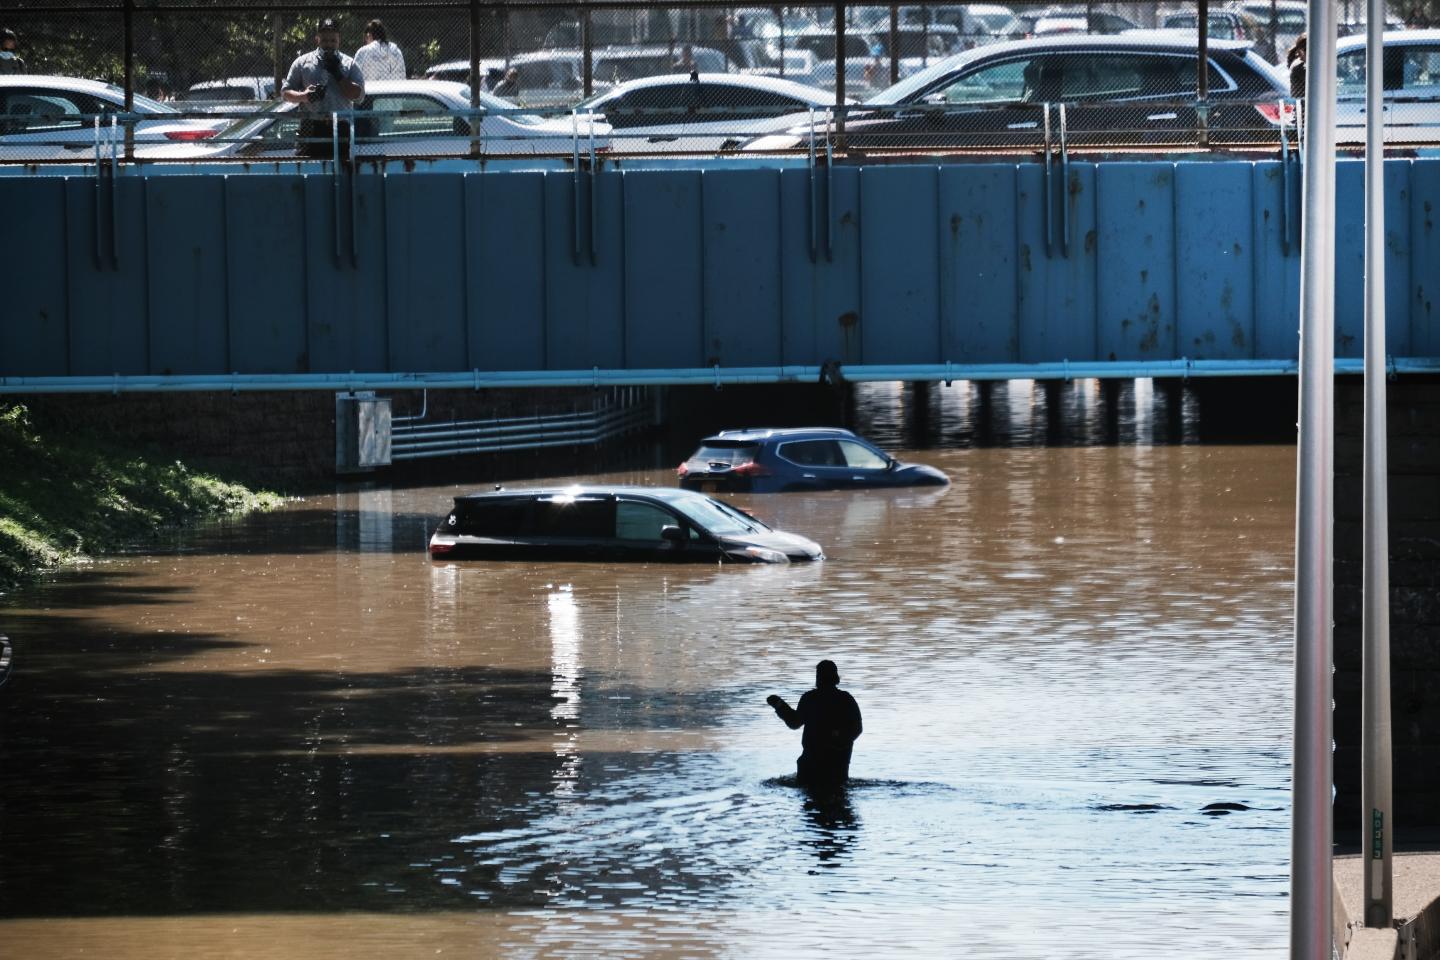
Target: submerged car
(804,458)
(644,524)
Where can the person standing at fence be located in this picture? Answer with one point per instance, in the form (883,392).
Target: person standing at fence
(10,61)
(323,82)
(1295,60)
(380,59)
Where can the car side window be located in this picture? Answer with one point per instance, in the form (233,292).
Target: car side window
(1117,77)
(729,96)
(48,110)
(407,115)
(813,453)
(635,520)
(861,457)
(567,517)
(1009,82)
(1420,70)
(495,518)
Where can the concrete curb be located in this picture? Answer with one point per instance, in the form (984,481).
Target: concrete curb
(1416,935)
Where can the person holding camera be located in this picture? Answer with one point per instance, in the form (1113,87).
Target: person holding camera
(323,82)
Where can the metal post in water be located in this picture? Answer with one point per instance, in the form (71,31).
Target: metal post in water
(1378,829)
(1311,866)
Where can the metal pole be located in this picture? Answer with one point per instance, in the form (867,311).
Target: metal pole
(1312,817)
(894,44)
(1202,76)
(474,54)
(587,54)
(1377,830)
(129,30)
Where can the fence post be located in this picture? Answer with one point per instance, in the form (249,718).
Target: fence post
(587,53)
(276,53)
(1202,77)
(475,120)
(128,16)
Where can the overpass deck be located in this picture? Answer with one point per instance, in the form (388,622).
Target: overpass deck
(690,273)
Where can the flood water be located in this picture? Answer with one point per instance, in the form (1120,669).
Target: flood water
(294,736)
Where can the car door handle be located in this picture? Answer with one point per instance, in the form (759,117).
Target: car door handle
(1163,116)
(1028,125)
(662,139)
(807,476)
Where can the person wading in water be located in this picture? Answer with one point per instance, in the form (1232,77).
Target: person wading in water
(831,719)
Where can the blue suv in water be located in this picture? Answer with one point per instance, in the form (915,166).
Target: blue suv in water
(797,458)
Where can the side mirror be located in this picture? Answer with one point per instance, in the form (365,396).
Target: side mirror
(672,534)
(893,464)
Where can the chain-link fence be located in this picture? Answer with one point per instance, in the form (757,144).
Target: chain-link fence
(693,77)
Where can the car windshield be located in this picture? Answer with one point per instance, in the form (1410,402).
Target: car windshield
(906,90)
(239,130)
(716,517)
(492,102)
(143,104)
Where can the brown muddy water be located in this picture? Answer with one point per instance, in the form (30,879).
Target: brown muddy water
(295,736)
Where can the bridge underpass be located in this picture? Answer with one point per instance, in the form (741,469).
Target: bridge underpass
(669,276)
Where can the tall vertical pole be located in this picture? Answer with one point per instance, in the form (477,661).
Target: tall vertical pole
(1377,830)
(128,15)
(1311,877)
(1312,819)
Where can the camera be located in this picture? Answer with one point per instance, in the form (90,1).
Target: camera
(318,93)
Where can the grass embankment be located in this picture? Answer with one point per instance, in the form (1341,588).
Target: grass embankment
(63,498)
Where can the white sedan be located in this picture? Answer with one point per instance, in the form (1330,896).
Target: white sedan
(406,118)
(705,112)
(1411,68)
(53,118)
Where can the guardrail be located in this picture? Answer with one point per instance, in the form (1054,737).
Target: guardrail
(626,410)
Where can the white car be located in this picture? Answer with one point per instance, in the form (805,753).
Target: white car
(1412,87)
(705,113)
(53,118)
(407,118)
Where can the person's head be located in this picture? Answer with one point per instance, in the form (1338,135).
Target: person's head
(1297,50)
(327,34)
(8,40)
(375,30)
(512,75)
(827,674)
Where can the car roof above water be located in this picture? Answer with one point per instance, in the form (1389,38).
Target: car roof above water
(668,494)
(769,433)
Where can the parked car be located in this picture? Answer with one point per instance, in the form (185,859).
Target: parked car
(492,71)
(1279,31)
(1221,24)
(800,458)
(231,89)
(408,118)
(53,118)
(1121,91)
(645,524)
(706,112)
(1079,20)
(1411,68)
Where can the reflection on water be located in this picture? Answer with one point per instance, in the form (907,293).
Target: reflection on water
(300,723)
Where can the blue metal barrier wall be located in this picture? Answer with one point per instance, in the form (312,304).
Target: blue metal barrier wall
(1144,265)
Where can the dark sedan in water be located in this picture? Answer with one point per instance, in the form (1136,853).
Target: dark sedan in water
(797,458)
(660,524)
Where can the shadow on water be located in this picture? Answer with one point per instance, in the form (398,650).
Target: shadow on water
(143,789)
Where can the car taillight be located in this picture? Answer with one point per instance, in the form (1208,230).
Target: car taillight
(682,470)
(1273,111)
(189,134)
(750,469)
(439,549)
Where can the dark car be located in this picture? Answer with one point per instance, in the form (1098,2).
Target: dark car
(1136,89)
(657,524)
(808,458)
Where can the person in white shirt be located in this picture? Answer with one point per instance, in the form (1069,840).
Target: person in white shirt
(380,59)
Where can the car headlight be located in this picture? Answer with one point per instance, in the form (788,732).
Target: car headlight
(766,555)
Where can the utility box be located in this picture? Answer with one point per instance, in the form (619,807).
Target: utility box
(362,432)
